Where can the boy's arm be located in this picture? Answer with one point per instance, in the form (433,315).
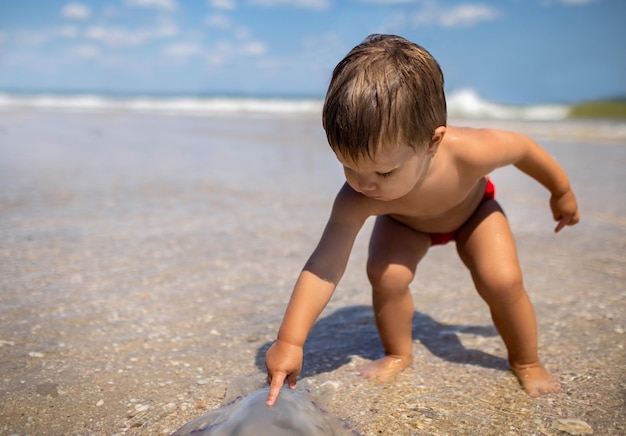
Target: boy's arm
(500,148)
(541,166)
(313,290)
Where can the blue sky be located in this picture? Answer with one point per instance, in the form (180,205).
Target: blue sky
(508,51)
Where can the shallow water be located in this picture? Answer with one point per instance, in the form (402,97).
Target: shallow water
(146,262)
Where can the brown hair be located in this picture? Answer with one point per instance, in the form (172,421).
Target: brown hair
(387,90)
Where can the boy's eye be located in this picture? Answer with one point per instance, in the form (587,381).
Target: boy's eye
(387,174)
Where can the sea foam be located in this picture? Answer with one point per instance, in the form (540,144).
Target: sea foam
(163,105)
(464,103)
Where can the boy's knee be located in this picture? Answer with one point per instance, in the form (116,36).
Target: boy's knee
(503,287)
(388,277)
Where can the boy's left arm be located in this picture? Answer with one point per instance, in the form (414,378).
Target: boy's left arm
(498,148)
(541,166)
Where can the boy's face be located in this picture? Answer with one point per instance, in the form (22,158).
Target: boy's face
(391,175)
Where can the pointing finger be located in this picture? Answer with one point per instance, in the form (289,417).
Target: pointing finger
(277,382)
(562,223)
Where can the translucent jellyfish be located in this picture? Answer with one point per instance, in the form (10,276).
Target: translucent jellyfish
(293,414)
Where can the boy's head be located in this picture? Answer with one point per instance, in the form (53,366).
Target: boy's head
(386,91)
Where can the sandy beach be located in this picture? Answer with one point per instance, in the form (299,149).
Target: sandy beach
(146,261)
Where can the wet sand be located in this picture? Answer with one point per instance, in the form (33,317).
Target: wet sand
(146,262)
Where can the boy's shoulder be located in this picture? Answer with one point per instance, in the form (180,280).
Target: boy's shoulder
(466,141)
(477,134)
(462,141)
(478,151)
(467,133)
(352,205)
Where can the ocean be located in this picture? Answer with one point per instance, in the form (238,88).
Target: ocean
(464,104)
(465,107)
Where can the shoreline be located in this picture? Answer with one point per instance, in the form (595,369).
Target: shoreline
(610,131)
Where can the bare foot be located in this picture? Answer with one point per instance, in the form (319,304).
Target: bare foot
(536,380)
(385,368)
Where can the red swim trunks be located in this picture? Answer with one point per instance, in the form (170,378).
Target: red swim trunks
(444,238)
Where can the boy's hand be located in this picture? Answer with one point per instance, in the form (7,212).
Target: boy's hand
(283,361)
(564,210)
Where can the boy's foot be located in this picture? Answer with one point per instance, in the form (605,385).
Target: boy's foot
(536,380)
(385,368)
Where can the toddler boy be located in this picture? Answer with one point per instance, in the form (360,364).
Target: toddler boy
(426,183)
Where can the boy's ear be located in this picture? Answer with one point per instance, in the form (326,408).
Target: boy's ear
(436,139)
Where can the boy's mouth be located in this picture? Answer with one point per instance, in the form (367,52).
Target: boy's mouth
(375,196)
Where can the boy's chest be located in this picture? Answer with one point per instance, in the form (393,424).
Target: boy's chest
(439,210)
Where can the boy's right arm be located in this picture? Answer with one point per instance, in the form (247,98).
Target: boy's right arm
(284,358)
(313,290)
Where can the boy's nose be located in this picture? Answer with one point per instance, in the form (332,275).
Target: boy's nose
(365,184)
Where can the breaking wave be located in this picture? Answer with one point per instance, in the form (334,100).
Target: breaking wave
(464,103)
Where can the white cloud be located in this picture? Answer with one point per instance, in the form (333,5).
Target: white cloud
(219,21)
(307,4)
(253,48)
(86,51)
(168,5)
(222,22)
(464,15)
(117,37)
(223,4)
(182,50)
(225,51)
(76,11)
(113,37)
(468,15)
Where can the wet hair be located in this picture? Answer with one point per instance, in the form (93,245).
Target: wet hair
(386,91)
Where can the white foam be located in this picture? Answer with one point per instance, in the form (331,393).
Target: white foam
(171,105)
(464,103)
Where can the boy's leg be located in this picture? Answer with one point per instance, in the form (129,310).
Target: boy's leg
(394,252)
(487,247)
